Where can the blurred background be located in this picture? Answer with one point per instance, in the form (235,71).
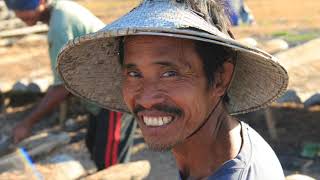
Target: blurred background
(288,29)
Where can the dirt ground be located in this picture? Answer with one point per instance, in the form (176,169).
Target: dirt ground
(296,126)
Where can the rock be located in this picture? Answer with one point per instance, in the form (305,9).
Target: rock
(6,42)
(274,46)
(5,142)
(32,38)
(70,122)
(4,13)
(65,167)
(249,41)
(43,82)
(289,97)
(303,64)
(299,177)
(313,100)
(128,171)
(19,86)
(11,23)
(44,143)
(34,87)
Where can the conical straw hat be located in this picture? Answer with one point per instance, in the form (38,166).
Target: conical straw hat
(89,65)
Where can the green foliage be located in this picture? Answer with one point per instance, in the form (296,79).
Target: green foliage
(296,37)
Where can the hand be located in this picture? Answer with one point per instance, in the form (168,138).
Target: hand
(20,132)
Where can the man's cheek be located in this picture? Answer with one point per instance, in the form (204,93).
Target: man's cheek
(128,98)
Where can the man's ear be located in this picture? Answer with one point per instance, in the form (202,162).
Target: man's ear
(42,4)
(222,78)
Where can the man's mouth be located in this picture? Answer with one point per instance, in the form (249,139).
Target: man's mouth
(157,120)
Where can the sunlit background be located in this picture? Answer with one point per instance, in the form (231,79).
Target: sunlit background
(288,29)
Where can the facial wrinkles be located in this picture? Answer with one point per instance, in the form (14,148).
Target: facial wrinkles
(196,103)
(190,78)
(193,76)
(181,54)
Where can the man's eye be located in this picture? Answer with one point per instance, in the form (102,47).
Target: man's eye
(134,74)
(169,74)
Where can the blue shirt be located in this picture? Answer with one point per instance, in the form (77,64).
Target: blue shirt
(255,161)
(68,20)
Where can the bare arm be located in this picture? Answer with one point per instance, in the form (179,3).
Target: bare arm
(52,98)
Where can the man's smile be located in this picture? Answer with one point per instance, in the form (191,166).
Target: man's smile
(157,120)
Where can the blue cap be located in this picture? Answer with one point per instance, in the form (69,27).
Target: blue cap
(22,4)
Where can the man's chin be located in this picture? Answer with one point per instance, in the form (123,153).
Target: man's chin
(155,146)
(159,147)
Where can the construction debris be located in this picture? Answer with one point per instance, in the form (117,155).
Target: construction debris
(313,100)
(274,45)
(299,177)
(129,171)
(64,167)
(303,64)
(289,97)
(41,28)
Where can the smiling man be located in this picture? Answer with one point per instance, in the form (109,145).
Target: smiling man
(177,68)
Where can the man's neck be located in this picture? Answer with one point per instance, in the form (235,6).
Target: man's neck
(218,141)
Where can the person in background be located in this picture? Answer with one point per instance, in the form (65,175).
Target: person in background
(109,134)
(239,13)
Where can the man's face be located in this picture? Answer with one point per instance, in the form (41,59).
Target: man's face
(165,86)
(30,17)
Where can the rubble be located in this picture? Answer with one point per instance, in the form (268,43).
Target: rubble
(129,171)
(65,167)
(274,45)
(303,64)
(249,41)
(41,28)
(313,100)
(289,97)
(299,177)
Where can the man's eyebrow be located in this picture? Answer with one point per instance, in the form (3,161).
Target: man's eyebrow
(128,66)
(166,63)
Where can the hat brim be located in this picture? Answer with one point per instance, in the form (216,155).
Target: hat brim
(90,68)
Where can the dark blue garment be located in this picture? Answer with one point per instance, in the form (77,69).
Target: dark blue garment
(232,12)
(22,5)
(255,161)
(238,12)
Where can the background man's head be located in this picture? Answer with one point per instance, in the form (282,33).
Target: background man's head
(29,11)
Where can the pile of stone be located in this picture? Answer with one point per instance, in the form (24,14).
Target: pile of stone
(12,28)
(7,18)
(303,66)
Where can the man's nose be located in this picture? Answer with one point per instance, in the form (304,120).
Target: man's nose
(149,96)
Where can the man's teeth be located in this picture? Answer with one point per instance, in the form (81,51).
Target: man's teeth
(157,121)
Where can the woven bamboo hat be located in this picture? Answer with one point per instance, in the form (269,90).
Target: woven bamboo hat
(89,65)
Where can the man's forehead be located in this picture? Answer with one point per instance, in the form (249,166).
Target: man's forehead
(160,50)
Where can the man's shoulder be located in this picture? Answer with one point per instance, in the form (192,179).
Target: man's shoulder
(74,14)
(65,5)
(256,160)
(263,162)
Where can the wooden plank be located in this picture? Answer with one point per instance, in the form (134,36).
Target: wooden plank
(63,110)
(36,146)
(271,124)
(42,28)
(11,24)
